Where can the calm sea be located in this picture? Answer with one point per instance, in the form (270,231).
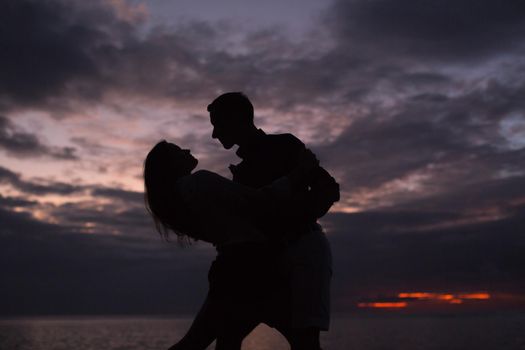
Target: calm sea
(494,332)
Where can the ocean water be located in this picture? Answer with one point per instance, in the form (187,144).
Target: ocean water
(490,332)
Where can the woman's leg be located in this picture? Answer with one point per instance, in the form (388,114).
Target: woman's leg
(208,326)
(202,332)
(302,338)
(232,337)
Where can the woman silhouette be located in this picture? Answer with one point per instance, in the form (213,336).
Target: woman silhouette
(245,285)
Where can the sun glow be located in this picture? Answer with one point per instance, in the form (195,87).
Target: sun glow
(451,298)
(384,305)
(408,299)
(477,296)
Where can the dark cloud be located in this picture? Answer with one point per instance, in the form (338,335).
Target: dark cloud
(51,50)
(60,54)
(23,144)
(88,50)
(431,30)
(95,218)
(130,197)
(11,202)
(125,213)
(385,253)
(453,143)
(63,272)
(490,197)
(35,187)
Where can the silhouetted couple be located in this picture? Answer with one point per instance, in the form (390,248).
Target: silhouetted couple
(273,261)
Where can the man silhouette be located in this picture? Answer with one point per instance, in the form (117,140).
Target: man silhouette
(266,158)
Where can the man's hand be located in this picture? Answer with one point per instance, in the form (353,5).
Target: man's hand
(303,172)
(324,192)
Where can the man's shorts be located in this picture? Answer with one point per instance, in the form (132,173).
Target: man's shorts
(309,259)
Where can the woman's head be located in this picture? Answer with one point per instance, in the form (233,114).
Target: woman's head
(164,164)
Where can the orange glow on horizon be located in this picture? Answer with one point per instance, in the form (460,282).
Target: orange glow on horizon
(416,295)
(451,298)
(445,296)
(477,296)
(384,305)
(412,298)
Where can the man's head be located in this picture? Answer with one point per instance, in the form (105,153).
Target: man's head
(231,114)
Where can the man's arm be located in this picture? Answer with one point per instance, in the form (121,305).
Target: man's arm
(279,203)
(298,199)
(323,192)
(320,191)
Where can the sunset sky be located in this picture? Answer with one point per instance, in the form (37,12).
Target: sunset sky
(416,107)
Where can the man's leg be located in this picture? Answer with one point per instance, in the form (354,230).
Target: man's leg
(310,263)
(302,338)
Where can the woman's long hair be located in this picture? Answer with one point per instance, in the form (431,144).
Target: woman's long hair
(160,198)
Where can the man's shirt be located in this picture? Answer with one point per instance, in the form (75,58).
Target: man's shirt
(268,157)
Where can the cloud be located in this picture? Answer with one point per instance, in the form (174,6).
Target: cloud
(92,53)
(435,31)
(87,208)
(9,202)
(61,55)
(47,45)
(93,217)
(119,194)
(37,187)
(386,252)
(23,144)
(64,272)
(88,53)
(430,145)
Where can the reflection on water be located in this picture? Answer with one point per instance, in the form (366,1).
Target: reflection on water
(364,333)
(111,333)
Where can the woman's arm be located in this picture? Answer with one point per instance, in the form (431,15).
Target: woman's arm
(224,210)
(284,202)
